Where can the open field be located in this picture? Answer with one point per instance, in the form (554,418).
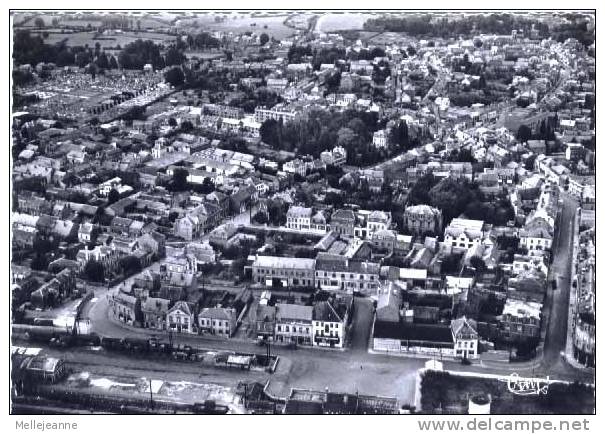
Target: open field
(273,25)
(148,20)
(342,21)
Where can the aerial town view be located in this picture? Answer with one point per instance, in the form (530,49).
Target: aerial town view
(302,212)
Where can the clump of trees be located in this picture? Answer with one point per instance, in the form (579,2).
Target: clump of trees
(94,271)
(175,76)
(32,50)
(455,197)
(321,130)
(546,131)
(202,41)
(252,98)
(138,53)
(130,265)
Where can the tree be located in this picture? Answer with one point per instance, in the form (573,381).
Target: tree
(113,63)
(172,122)
(83,58)
(277,212)
(207,186)
(186,126)
(524,133)
(419,194)
(102,61)
(175,76)
(529,163)
(451,196)
(347,138)
(491,306)
(137,54)
(21,78)
(270,133)
(260,218)
(113,196)
(130,265)
(39,22)
(333,81)
(39,262)
(65,57)
(264,38)
(179,179)
(174,57)
(478,264)
(451,263)
(92,69)
(94,271)
(399,136)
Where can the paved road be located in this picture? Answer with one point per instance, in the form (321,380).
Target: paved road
(551,363)
(558,299)
(362,324)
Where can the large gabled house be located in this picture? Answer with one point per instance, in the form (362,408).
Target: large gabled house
(537,234)
(462,234)
(220,321)
(466,338)
(265,321)
(242,199)
(293,324)
(197,222)
(343,222)
(180,318)
(154,312)
(330,321)
(125,307)
(520,320)
(299,218)
(85,232)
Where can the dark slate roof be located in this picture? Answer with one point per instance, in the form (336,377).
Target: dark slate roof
(343,214)
(341,403)
(303,407)
(413,332)
(323,311)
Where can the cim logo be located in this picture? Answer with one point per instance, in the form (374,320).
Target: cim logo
(527,386)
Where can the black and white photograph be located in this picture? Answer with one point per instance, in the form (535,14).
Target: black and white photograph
(302,212)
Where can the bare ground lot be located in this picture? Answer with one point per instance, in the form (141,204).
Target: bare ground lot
(302,368)
(344,375)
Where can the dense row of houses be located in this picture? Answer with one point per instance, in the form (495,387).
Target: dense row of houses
(325,323)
